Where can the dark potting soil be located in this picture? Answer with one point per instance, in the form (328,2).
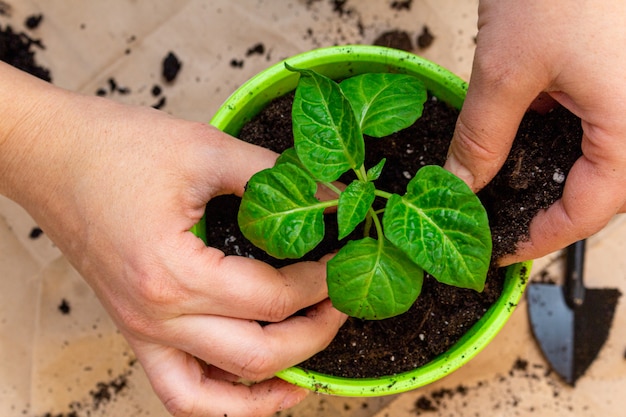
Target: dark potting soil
(531,180)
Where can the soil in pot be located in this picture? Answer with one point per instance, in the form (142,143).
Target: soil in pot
(531,180)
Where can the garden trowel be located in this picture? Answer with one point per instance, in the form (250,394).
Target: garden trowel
(571,322)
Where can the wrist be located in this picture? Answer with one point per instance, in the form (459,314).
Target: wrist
(31,110)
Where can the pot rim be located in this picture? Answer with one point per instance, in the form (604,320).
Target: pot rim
(335,62)
(341,62)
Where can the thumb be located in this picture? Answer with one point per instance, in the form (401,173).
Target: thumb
(236,161)
(487,124)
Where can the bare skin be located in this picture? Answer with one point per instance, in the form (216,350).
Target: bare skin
(117,188)
(572,51)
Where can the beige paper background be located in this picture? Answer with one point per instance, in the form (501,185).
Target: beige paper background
(77,363)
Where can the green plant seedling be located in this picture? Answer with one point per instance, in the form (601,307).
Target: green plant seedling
(438,226)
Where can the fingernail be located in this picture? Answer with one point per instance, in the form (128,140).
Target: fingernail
(293,398)
(458,169)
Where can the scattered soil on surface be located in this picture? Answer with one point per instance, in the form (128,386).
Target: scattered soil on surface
(425,39)
(500,393)
(171,67)
(398,39)
(531,180)
(35,232)
(103,393)
(64,307)
(18,49)
(401,4)
(401,39)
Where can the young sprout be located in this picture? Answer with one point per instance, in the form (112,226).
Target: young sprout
(438,226)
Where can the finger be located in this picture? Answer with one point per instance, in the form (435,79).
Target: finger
(237,162)
(593,194)
(185,390)
(242,287)
(499,94)
(230,286)
(251,350)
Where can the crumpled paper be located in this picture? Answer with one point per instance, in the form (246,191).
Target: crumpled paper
(61,355)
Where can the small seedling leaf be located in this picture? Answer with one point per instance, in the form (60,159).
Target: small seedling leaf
(443,227)
(279,212)
(327,137)
(373,280)
(385,103)
(438,225)
(374,172)
(354,202)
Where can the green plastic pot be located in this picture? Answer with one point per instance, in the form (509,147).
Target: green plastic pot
(341,62)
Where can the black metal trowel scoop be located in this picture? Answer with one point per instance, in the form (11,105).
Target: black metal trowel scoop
(571,322)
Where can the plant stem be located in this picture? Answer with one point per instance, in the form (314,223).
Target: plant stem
(368,223)
(332,187)
(325,204)
(379,227)
(363,173)
(383,194)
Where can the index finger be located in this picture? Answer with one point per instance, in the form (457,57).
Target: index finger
(498,95)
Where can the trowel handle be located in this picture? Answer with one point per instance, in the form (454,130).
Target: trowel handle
(573,285)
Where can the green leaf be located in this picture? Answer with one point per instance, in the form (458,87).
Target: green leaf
(373,280)
(327,137)
(354,202)
(385,103)
(279,212)
(443,227)
(289,155)
(374,172)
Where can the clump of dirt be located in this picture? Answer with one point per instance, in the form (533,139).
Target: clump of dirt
(35,233)
(425,39)
(401,4)
(401,39)
(256,50)
(32,22)
(113,88)
(171,67)
(18,49)
(236,63)
(64,307)
(398,39)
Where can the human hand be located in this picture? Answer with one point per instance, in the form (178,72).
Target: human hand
(117,188)
(575,54)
